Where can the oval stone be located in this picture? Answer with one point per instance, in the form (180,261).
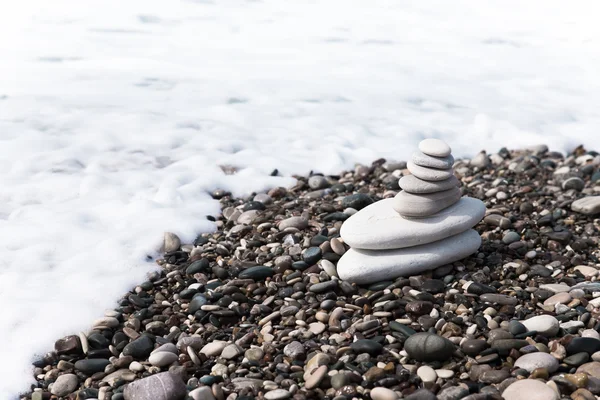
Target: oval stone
(435,147)
(412,184)
(537,360)
(379,227)
(529,389)
(427,347)
(367,266)
(428,161)
(424,205)
(429,174)
(259,272)
(545,325)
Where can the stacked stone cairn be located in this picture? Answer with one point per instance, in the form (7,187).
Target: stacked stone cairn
(425,226)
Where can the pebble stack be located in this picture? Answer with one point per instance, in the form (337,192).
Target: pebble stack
(425,225)
(256,310)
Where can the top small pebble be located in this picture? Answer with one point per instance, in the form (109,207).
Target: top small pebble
(435,147)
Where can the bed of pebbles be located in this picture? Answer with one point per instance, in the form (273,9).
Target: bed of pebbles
(256,311)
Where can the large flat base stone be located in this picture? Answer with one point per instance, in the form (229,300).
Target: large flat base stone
(368,266)
(379,227)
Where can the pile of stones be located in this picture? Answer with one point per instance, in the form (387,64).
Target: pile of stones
(425,225)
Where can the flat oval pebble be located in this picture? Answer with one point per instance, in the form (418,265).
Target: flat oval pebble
(412,184)
(529,389)
(427,374)
(435,147)
(162,358)
(424,205)
(429,174)
(381,393)
(213,349)
(588,205)
(427,347)
(277,394)
(501,299)
(379,227)
(424,160)
(537,360)
(545,325)
(368,266)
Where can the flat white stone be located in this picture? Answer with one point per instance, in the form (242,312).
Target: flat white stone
(533,361)
(424,205)
(425,160)
(588,205)
(379,227)
(529,389)
(429,174)
(368,266)
(545,325)
(435,147)
(412,184)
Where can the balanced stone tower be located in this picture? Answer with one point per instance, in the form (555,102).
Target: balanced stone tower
(425,226)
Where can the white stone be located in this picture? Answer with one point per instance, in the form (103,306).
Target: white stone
(587,271)
(545,325)
(202,393)
(379,227)
(171,242)
(588,205)
(590,333)
(529,389)
(367,266)
(435,147)
(533,361)
(381,393)
(445,373)
(428,161)
(429,174)
(424,205)
(213,349)
(412,184)
(162,358)
(555,287)
(427,374)
(64,385)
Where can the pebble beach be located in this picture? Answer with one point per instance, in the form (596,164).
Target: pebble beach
(256,310)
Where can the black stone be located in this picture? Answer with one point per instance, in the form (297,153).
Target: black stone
(421,394)
(96,340)
(480,288)
(504,346)
(300,265)
(254,205)
(357,201)
(516,328)
(583,345)
(401,328)
(433,286)
(367,346)
(428,347)
(323,287)
(197,266)
(336,216)
(473,347)
(197,302)
(577,359)
(380,285)
(200,240)
(88,393)
(312,255)
(259,272)
(90,367)
(140,348)
(99,353)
